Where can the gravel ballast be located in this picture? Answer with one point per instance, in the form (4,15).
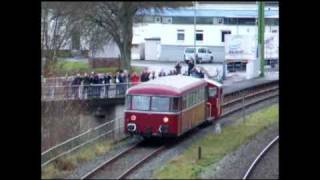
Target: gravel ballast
(235,165)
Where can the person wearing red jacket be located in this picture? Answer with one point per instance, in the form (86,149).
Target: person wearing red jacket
(135,79)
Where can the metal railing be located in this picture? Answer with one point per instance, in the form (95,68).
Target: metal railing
(111,128)
(84,91)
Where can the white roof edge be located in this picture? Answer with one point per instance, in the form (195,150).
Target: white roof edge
(214,82)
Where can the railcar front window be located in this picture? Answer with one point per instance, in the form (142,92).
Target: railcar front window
(160,104)
(128,102)
(140,103)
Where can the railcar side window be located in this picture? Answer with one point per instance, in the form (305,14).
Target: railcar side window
(184,102)
(175,104)
(160,104)
(140,103)
(212,91)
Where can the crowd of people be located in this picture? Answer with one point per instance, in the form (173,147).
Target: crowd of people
(97,84)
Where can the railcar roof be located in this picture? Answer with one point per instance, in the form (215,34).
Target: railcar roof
(178,83)
(214,82)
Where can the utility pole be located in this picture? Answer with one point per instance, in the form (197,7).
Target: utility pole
(261,36)
(194,25)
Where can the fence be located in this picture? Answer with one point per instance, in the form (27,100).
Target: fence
(111,129)
(84,91)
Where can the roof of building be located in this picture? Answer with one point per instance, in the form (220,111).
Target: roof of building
(170,85)
(187,12)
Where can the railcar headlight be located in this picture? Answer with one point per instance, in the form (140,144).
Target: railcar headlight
(133,117)
(165,119)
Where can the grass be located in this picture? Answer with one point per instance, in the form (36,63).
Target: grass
(62,67)
(215,147)
(61,167)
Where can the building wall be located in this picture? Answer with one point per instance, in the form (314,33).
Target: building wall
(173,49)
(211,33)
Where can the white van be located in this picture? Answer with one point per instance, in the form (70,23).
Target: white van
(203,54)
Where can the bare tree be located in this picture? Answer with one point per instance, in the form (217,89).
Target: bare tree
(99,22)
(115,19)
(58,22)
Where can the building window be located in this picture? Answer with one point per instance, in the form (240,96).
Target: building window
(158,19)
(246,21)
(180,35)
(167,20)
(217,20)
(223,33)
(199,35)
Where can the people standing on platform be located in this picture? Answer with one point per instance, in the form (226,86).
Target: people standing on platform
(162,73)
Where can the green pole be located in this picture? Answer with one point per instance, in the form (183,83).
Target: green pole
(261,37)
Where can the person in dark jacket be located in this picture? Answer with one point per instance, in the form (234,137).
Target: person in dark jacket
(75,86)
(117,81)
(201,74)
(86,84)
(97,87)
(178,68)
(153,75)
(145,75)
(123,82)
(190,66)
(106,80)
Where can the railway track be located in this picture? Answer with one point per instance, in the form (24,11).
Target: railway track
(122,164)
(125,162)
(236,101)
(258,158)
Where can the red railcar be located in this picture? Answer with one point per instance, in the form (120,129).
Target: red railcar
(172,105)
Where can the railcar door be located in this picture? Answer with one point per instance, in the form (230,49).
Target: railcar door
(213,93)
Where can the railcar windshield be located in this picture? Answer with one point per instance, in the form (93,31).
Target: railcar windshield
(140,103)
(161,104)
(152,103)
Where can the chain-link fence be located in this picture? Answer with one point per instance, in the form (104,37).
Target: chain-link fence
(113,130)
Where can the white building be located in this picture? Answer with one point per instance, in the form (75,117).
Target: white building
(175,29)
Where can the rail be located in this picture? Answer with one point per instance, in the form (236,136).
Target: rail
(130,166)
(253,164)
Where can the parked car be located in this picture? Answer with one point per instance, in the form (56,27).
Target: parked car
(203,54)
